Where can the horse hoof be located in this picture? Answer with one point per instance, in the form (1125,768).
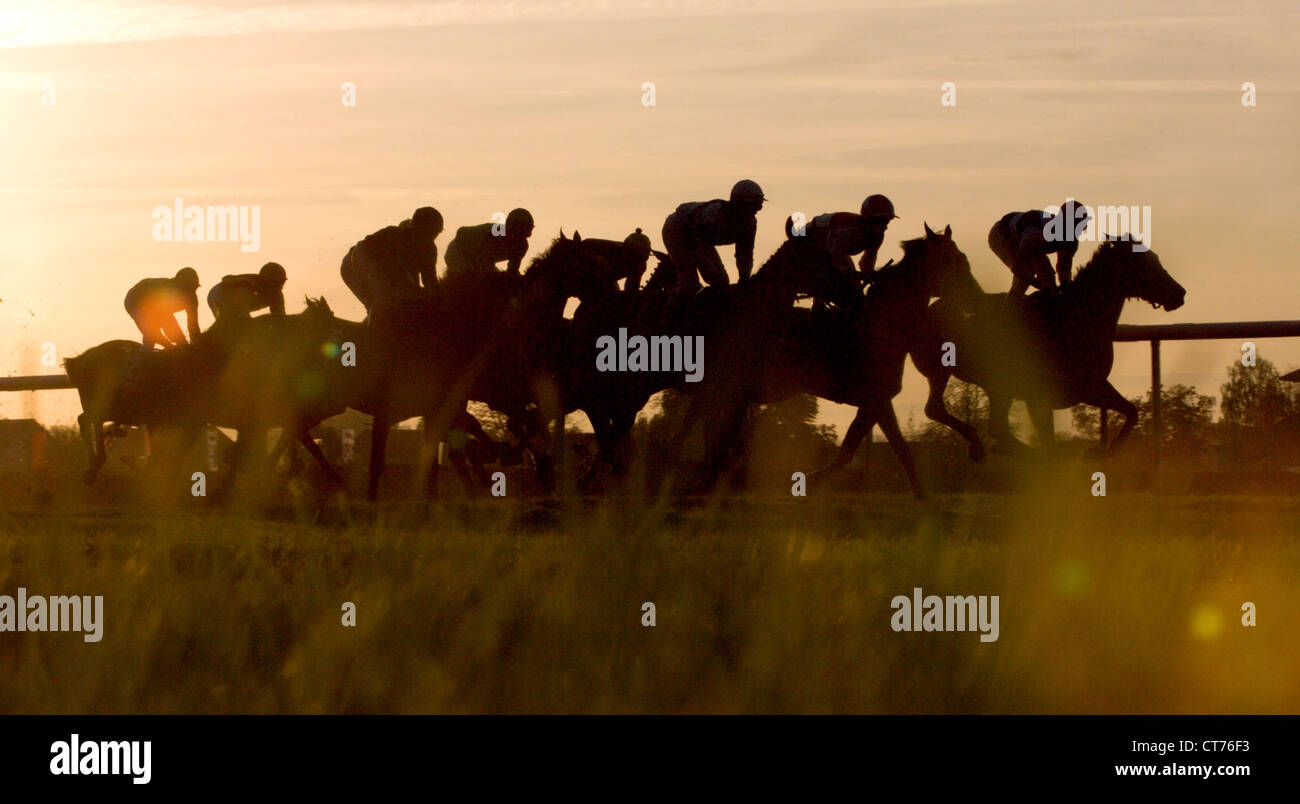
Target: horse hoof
(821,477)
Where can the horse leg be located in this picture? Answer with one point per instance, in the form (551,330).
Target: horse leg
(1108,397)
(1000,423)
(101,451)
(438,422)
(189,435)
(238,453)
(937,410)
(560,451)
(603,429)
(92,435)
(859,429)
(436,427)
(621,437)
(314,450)
(475,455)
(889,425)
(678,441)
(378,445)
(460,461)
(731,425)
(1044,423)
(281,444)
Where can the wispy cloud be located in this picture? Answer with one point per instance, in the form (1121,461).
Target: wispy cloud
(26,23)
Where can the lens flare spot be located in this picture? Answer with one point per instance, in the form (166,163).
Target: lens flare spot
(309,386)
(1071,578)
(1207,622)
(330,349)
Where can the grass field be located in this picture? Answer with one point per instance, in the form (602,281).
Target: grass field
(1127,603)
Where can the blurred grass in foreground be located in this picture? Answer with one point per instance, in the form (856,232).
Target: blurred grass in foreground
(1129,603)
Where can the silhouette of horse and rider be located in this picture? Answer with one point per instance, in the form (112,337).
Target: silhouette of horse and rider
(430,344)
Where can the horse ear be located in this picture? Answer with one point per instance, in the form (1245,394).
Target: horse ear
(928,231)
(947,231)
(562,237)
(577,236)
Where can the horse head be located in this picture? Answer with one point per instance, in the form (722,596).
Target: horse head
(317,309)
(945,270)
(567,270)
(1136,272)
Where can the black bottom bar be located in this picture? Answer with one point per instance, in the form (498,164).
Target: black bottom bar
(539,754)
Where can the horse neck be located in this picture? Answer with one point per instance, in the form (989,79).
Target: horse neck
(900,296)
(1096,299)
(774,284)
(542,301)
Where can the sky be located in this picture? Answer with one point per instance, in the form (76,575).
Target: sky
(479,107)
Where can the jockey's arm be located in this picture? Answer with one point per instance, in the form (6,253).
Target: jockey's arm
(632,282)
(869,239)
(745,249)
(867,263)
(275,301)
(1064,262)
(517,258)
(192,316)
(842,262)
(429,270)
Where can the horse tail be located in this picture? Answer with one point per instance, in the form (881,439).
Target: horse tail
(76,369)
(81,373)
(94,373)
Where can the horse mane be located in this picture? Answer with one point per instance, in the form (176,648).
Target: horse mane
(542,260)
(1104,257)
(663,277)
(895,271)
(783,253)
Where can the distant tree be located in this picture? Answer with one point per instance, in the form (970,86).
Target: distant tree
(1085,422)
(1254,397)
(792,425)
(64,450)
(1186,416)
(1260,414)
(494,423)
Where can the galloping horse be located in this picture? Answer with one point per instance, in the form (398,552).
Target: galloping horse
(856,355)
(251,374)
(1054,351)
(739,325)
(477,338)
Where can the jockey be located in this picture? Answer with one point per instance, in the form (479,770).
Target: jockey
(844,234)
(1023,241)
(153,304)
(693,231)
(624,260)
(478,249)
(395,259)
(238,295)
